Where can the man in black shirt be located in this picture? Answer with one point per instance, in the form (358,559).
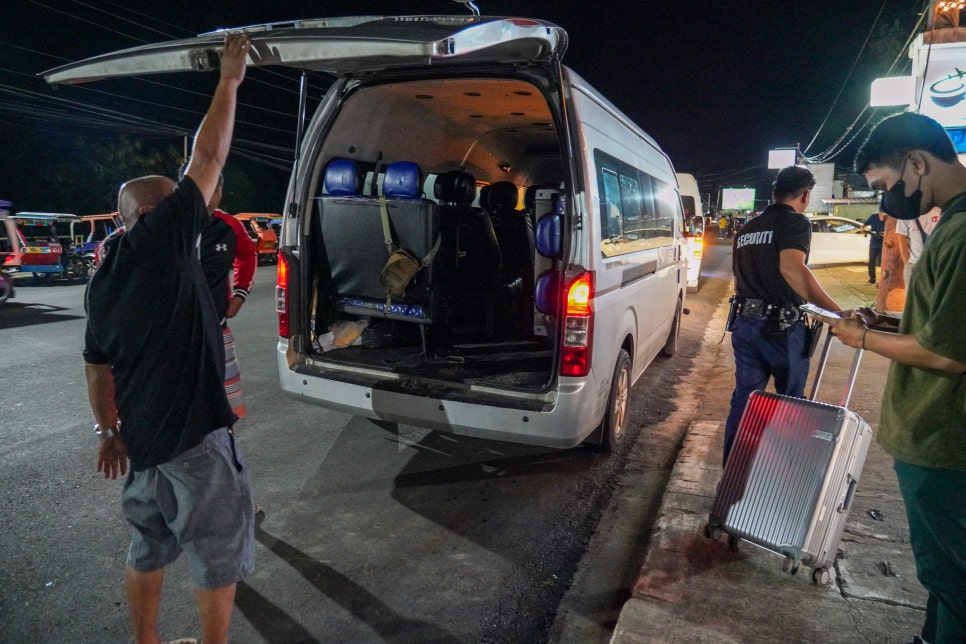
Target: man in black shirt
(876,226)
(155,358)
(772,280)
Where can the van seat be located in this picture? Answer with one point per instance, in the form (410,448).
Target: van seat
(471,258)
(354,243)
(514,232)
(455,192)
(514,228)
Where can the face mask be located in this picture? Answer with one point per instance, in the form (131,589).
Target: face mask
(896,204)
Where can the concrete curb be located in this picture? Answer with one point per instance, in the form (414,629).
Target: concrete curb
(693,589)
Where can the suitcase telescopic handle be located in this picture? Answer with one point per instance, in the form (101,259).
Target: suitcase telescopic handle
(820,371)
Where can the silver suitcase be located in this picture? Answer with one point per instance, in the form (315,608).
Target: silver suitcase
(791,475)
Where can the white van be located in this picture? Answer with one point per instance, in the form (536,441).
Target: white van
(547,225)
(694,226)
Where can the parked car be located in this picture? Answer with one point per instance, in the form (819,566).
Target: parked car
(838,240)
(10,247)
(91,230)
(45,239)
(262,233)
(276,224)
(87,235)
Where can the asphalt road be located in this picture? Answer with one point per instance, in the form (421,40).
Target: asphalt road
(372,532)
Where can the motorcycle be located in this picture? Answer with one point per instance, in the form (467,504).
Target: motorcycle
(78,263)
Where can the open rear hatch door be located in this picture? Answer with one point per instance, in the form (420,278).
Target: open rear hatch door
(340,46)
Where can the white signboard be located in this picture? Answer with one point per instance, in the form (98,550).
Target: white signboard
(782,158)
(943,91)
(824,174)
(737,198)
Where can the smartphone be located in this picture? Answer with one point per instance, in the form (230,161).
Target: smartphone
(808,307)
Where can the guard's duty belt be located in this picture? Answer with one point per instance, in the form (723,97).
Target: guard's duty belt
(758,309)
(754,309)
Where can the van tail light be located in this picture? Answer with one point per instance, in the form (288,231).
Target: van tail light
(578,326)
(281,296)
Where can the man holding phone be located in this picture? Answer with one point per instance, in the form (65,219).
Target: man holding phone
(923,419)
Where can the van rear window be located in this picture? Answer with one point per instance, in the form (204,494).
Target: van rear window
(689,208)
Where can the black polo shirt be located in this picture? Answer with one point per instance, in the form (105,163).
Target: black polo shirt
(151,317)
(755,258)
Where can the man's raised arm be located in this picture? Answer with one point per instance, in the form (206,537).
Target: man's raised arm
(213,139)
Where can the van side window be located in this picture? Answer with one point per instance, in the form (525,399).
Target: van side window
(611,224)
(636,213)
(667,213)
(631,203)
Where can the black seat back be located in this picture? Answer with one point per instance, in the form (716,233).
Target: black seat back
(514,228)
(354,243)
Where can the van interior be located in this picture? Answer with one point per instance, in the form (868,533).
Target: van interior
(460,171)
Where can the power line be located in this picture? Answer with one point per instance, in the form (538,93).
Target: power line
(848,76)
(122,18)
(90,22)
(851,132)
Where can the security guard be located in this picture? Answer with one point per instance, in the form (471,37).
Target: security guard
(768,333)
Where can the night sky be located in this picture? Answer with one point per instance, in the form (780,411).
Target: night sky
(717,84)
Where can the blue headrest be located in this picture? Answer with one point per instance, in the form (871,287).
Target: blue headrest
(341,177)
(402,180)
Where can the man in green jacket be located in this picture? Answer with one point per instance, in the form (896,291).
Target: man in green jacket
(923,420)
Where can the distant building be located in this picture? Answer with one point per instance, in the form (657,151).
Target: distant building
(858,208)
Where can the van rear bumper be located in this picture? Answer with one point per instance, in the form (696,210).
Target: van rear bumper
(563,422)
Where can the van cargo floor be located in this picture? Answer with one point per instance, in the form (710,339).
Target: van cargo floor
(524,364)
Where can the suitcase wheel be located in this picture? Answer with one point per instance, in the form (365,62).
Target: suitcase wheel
(791,565)
(820,576)
(712,533)
(733,542)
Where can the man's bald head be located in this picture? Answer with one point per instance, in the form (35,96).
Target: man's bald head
(138,197)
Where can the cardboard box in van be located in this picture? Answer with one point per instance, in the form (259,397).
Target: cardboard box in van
(530,233)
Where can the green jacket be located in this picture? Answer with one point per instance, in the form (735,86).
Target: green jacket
(923,420)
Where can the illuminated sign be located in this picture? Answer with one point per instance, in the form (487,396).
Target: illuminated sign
(782,158)
(896,90)
(737,198)
(943,88)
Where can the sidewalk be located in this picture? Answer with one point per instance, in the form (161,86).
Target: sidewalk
(692,589)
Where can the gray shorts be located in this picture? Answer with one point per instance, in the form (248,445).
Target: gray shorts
(201,502)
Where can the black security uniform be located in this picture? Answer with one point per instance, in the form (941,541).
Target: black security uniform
(769,339)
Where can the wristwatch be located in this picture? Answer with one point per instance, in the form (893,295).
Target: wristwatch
(105,433)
